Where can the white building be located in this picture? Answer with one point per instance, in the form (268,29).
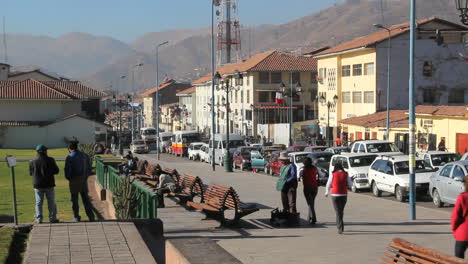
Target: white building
(188,104)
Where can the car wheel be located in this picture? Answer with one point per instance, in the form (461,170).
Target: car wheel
(399,194)
(375,190)
(436,199)
(354,189)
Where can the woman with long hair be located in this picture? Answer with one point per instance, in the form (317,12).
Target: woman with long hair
(460,221)
(337,185)
(309,176)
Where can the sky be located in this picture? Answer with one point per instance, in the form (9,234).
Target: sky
(127,20)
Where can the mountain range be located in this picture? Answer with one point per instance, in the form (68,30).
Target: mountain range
(104,62)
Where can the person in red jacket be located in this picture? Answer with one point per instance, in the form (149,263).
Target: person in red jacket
(338,184)
(309,176)
(460,221)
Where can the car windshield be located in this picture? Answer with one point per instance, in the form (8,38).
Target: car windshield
(149,132)
(361,161)
(402,167)
(246,151)
(442,159)
(382,147)
(256,155)
(138,142)
(235,143)
(300,148)
(166,138)
(322,161)
(197,147)
(300,158)
(187,138)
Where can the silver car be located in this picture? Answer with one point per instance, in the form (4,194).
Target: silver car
(447,183)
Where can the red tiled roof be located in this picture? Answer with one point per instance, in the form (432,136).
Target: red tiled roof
(442,110)
(398,119)
(381,35)
(267,61)
(187,91)
(172,84)
(315,51)
(33,89)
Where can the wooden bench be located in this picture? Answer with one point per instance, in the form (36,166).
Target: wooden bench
(402,251)
(223,202)
(140,171)
(190,187)
(174,174)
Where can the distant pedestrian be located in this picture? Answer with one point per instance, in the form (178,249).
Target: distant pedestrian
(460,221)
(287,184)
(338,142)
(441,146)
(42,169)
(309,175)
(77,170)
(338,183)
(131,164)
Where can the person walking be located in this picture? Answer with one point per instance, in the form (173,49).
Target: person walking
(460,221)
(77,170)
(309,176)
(441,146)
(42,169)
(287,184)
(338,184)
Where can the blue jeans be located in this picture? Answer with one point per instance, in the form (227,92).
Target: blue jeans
(50,195)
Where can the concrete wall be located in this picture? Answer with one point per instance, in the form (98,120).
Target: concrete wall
(52,136)
(36,110)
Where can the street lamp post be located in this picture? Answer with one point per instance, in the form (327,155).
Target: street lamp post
(120,104)
(133,91)
(412,117)
(329,105)
(226,86)
(293,89)
(213,4)
(462,6)
(157,96)
(389,47)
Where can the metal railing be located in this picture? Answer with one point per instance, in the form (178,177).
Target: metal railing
(109,178)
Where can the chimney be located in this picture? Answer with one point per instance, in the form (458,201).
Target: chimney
(4,71)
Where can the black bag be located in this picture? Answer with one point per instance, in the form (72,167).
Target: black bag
(284,219)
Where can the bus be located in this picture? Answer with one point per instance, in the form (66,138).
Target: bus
(148,134)
(182,140)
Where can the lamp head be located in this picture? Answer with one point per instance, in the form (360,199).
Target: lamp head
(322,99)
(217,78)
(335,99)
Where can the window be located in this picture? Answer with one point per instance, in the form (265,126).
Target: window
(276,77)
(357,69)
(346,70)
(346,97)
(357,97)
(263,97)
(429,96)
(242,97)
(296,77)
(446,171)
(264,77)
(427,68)
(368,97)
(313,77)
(369,68)
(236,97)
(248,97)
(456,96)
(248,80)
(458,172)
(322,73)
(362,148)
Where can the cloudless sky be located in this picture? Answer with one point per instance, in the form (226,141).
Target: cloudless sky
(127,20)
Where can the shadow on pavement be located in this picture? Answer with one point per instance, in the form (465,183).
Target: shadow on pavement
(264,223)
(396,224)
(351,232)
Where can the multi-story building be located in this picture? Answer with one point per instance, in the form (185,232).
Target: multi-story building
(354,73)
(253,102)
(188,106)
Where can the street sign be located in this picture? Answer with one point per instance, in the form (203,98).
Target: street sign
(11,161)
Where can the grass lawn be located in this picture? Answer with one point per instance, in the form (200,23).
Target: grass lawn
(25,191)
(6,238)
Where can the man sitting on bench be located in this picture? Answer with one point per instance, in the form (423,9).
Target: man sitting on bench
(166,185)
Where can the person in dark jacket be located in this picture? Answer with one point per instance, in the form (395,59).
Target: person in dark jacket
(287,184)
(459,221)
(77,170)
(42,169)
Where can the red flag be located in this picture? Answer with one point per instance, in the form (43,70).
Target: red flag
(279,99)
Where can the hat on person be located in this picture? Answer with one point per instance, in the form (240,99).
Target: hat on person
(41,148)
(284,156)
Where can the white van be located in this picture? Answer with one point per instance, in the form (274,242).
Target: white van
(235,141)
(165,141)
(357,166)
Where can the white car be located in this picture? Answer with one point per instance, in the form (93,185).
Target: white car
(298,159)
(391,174)
(437,159)
(447,183)
(381,147)
(357,166)
(194,150)
(138,146)
(205,153)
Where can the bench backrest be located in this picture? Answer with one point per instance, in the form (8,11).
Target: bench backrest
(142,165)
(192,184)
(402,251)
(174,174)
(151,169)
(218,196)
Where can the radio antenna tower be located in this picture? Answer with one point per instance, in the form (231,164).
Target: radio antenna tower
(229,39)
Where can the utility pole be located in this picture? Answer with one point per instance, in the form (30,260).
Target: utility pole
(157,96)
(412,119)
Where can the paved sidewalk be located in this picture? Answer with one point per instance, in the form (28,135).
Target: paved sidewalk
(370,223)
(87,242)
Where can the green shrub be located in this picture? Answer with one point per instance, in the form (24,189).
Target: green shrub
(126,200)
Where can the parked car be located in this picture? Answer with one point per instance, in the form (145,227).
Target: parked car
(437,159)
(315,149)
(321,160)
(241,157)
(382,147)
(205,153)
(357,165)
(276,147)
(257,146)
(297,158)
(391,174)
(257,161)
(194,150)
(298,148)
(465,156)
(337,150)
(274,164)
(447,183)
(138,146)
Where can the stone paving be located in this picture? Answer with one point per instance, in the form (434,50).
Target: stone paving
(370,223)
(87,242)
